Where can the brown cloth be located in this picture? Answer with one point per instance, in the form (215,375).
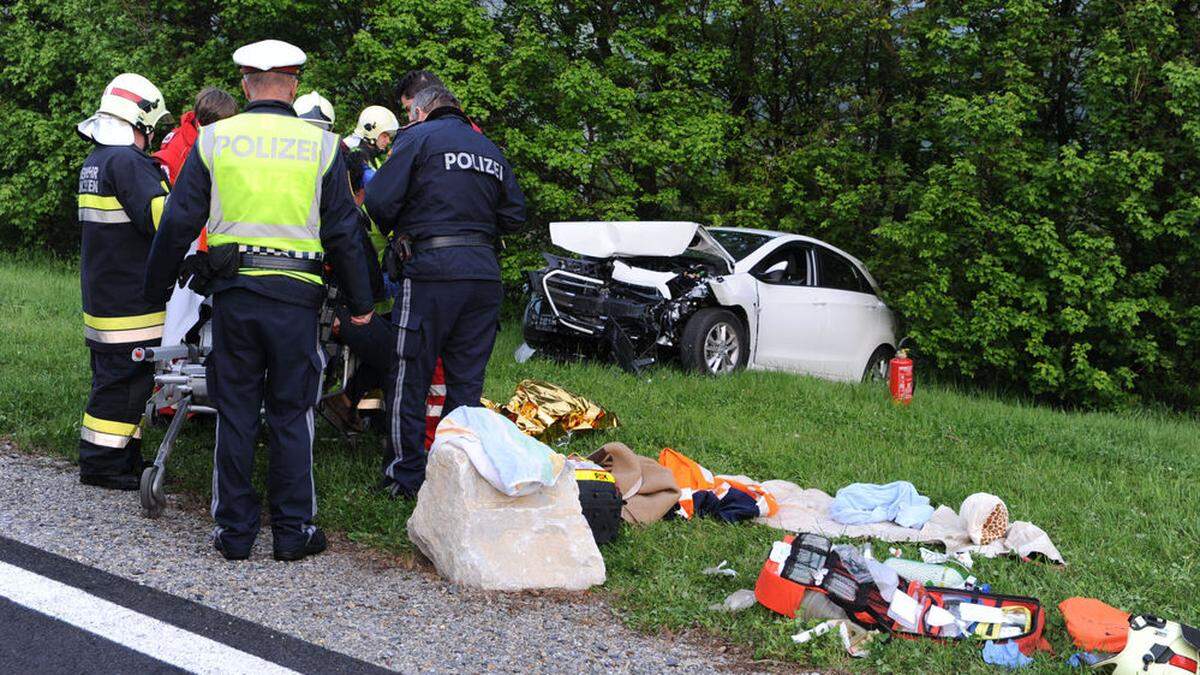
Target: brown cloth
(648,488)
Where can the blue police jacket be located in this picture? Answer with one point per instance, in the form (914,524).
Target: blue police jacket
(187,212)
(443,179)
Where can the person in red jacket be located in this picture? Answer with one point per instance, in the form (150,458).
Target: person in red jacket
(212,104)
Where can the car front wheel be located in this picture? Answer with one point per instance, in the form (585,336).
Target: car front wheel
(714,342)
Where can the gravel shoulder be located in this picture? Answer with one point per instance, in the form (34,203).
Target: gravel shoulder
(348,599)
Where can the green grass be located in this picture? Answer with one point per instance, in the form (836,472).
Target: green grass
(1116,492)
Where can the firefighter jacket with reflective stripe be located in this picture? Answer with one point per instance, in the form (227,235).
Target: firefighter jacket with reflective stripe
(271,184)
(121,196)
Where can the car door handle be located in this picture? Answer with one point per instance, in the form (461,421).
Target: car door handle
(820,303)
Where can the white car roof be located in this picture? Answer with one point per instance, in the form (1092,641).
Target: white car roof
(747,230)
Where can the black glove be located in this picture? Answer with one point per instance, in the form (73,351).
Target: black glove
(196,273)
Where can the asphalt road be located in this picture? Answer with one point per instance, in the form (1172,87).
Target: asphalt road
(89,585)
(60,616)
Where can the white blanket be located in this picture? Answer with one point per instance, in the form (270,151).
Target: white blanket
(183,311)
(807,510)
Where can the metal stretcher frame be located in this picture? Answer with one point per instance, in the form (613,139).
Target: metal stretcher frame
(181,384)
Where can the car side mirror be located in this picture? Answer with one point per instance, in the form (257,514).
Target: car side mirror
(775,273)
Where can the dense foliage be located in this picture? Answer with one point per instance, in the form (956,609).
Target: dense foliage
(1023,176)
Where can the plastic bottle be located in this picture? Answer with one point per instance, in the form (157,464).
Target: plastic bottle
(927,573)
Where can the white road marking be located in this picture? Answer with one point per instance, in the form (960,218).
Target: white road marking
(154,638)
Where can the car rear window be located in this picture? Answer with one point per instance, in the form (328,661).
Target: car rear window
(739,244)
(839,273)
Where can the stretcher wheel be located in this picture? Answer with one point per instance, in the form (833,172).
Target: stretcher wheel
(152,503)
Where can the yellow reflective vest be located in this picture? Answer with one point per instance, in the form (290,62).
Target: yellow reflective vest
(266,173)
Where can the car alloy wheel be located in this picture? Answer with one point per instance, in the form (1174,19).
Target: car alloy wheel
(722,348)
(878,366)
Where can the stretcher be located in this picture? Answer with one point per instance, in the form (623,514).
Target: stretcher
(181,387)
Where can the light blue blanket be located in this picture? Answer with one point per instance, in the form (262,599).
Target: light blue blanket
(863,503)
(512,462)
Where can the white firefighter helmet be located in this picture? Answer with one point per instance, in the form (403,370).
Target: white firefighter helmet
(374,120)
(129,102)
(315,108)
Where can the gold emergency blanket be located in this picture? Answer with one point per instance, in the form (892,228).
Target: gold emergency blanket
(548,412)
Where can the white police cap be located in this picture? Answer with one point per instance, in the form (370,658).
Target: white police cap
(265,55)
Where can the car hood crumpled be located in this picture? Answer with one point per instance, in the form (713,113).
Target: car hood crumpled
(609,239)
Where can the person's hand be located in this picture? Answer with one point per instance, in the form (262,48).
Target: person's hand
(362,320)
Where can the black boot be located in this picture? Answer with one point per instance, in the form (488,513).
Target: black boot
(316,543)
(126,482)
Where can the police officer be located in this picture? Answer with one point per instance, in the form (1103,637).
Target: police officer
(444,195)
(121,196)
(273,189)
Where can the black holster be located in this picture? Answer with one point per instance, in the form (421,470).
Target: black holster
(399,251)
(200,269)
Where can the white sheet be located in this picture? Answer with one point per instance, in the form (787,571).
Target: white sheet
(183,311)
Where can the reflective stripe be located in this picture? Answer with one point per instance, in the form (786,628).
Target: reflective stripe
(100,202)
(109,426)
(437,390)
(102,216)
(266,250)
(156,209)
(370,404)
(433,411)
(243,231)
(125,322)
(122,336)
(103,439)
(398,384)
(107,433)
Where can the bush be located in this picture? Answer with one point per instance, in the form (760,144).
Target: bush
(1022,176)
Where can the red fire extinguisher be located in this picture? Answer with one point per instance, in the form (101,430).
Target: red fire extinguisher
(900,378)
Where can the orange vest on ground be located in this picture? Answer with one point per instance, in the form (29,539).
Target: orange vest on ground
(691,477)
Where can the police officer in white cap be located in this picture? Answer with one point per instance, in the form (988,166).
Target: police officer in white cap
(273,191)
(121,196)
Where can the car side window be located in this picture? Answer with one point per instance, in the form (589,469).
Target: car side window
(795,273)
(839,273)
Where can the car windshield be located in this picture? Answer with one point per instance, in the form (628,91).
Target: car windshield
(739,244)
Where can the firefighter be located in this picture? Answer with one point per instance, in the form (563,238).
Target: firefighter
(443,197)
(274,193)
(377,127)
(121,197)
(315,109)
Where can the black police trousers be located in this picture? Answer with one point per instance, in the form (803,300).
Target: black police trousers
(454,320)
(110,439)
(264,351)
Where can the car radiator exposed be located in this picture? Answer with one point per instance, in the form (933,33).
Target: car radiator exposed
(587,304)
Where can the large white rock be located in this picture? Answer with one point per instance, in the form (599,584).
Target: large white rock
(479,537)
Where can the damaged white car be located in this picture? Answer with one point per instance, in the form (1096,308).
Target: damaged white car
(717,299)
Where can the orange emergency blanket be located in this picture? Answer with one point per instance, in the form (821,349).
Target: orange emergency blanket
(691,477)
